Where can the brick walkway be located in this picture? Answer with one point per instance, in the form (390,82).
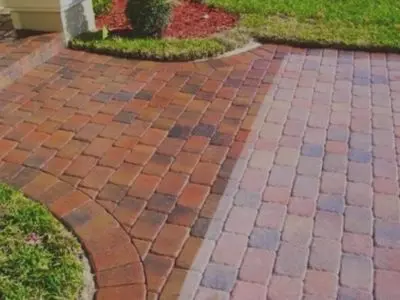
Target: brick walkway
(272,174)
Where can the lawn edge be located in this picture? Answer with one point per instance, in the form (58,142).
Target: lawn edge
(292,42)
(88,286)
(229,45)
(228,40)
(142,55)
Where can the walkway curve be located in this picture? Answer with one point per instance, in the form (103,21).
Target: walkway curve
(271,174)
(98,231)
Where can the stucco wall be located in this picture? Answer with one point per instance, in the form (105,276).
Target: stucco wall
(68,16)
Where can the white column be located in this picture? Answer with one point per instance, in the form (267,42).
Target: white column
(69,16)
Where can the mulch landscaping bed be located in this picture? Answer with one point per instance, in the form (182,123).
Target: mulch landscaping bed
(189,20)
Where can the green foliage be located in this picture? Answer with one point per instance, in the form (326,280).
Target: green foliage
(352,24)
(105,33)
(157,49)
(148,18)
(39,259)
(101,7)
(338,34)
(349,24)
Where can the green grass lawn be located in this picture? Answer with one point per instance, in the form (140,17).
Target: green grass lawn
(157,49)
(349,24)
(346,23)
(39,259)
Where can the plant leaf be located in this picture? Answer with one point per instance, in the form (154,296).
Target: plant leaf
(105,32)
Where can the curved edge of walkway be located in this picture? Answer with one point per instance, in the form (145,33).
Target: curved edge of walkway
(101,236)
(115,260)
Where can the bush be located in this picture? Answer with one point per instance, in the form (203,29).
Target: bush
(101,6)
(148,18)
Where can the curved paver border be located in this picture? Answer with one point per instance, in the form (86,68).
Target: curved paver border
(113,257)
(79,207)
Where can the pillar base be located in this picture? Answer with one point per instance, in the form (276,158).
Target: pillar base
(71,17)
(29,20)
(78,18)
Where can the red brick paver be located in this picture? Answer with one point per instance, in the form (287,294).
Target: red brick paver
(272,174)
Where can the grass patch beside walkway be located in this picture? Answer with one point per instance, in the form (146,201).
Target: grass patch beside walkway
(367,24)
(39,259)
(156,49)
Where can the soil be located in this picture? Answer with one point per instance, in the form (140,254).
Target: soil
(188,20)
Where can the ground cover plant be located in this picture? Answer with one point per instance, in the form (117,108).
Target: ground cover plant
(39,259)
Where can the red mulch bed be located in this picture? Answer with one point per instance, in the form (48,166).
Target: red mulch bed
(189,20)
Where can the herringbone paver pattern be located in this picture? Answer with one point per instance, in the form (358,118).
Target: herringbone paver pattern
(272,174)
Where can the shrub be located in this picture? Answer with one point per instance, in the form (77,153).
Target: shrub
(148,18)
(101,6)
